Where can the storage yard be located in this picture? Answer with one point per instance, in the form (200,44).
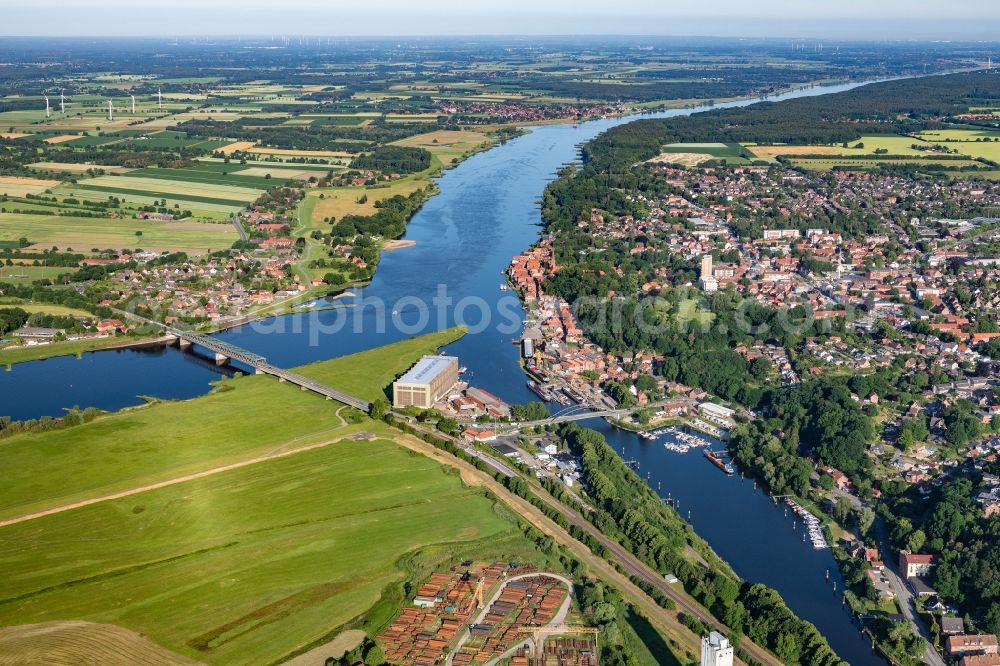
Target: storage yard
(472,615)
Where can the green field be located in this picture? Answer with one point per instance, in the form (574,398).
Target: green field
(827,164)
(381,365)
(964,141)
(208,173)
(68,348)
(244,565)
(82,233)
(220,211)
(247,566)
(334,120)
(172,190)
(171,139)
(19,274)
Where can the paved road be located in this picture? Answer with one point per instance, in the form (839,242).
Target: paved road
(902,590)
(239,227)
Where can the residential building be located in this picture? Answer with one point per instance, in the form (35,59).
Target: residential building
(952,626)
(980,660)
(915,565)
(972,644)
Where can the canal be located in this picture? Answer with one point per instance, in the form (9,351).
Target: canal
(486,212)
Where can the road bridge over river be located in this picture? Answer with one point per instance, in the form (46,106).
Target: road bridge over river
(225,352)
(576,413)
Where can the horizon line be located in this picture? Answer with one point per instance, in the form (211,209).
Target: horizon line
(315,36)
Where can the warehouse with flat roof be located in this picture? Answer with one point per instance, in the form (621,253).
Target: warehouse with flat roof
(426,382)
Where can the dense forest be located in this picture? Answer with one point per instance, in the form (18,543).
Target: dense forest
(312,137)
(950,524)
(399,159)
(895,107)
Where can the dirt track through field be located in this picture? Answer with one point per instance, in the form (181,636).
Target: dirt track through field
(273,455)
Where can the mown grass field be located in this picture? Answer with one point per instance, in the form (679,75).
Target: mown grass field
(82,234)
(212,173)
(71,167)
(340,201)
(447,146)
(47,308)
(19,274)
(246,566)
(78,642)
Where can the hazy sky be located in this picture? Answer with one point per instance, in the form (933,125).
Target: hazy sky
(863,19)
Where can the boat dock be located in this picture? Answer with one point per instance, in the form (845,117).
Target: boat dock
(813,525)
(685,440)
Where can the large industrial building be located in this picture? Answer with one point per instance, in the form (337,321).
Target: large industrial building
(426,382)
(716,650)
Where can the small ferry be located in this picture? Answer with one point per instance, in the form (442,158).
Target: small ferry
(504,287)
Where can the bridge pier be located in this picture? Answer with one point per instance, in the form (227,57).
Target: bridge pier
(183,344)
(221,359)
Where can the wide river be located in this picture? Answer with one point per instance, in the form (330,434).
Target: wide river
(486,212)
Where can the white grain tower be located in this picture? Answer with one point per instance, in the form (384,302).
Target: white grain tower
(111,110)
(48,111)
(716,650)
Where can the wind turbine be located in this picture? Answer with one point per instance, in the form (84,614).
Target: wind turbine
(48,111)
(62,101)
(111,110)
(159,98)
(133,105)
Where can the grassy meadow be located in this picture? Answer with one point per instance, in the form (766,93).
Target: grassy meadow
(82,233)
(247,566)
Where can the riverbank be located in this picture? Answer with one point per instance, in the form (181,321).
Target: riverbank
(15,355)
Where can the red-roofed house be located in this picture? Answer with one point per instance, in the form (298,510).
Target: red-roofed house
(981,660)
(916,565)
(969,644)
